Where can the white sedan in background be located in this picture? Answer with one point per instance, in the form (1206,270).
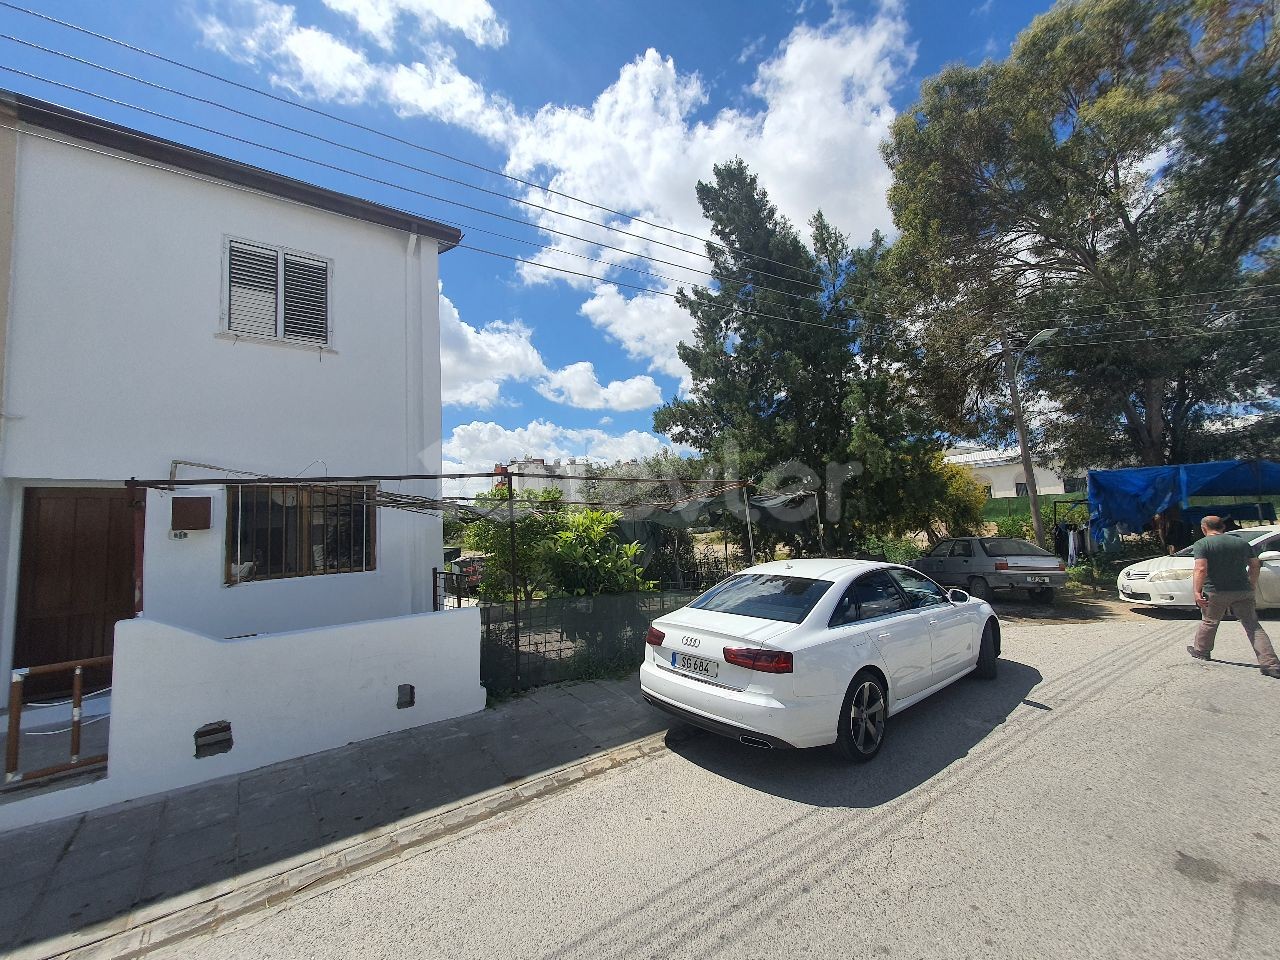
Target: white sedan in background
(1166,581)
(803,653)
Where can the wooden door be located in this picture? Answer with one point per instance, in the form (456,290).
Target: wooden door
(75,578)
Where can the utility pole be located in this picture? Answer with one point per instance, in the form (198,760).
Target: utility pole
(1011,365)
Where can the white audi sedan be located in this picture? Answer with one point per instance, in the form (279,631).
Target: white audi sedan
(1166,581)
(802,653)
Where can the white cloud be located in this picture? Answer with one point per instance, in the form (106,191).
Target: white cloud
(578,386)
(436,88)
(752,48)
(824,100)
(317,64)
(313,63)
(474,19)
(475,362)
(477,446)
(648,327)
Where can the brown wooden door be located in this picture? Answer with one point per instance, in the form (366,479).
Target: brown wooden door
(76,575)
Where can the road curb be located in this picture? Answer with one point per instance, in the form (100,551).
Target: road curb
(203,910)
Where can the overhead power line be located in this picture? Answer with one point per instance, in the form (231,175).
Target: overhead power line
(550,191)
(398,186)
(1050,315)
(632,286)
(533,263)
(1062,318)
(1109,341)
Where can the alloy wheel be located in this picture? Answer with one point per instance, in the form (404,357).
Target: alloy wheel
(866,718)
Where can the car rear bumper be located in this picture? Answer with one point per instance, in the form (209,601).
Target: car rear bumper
(798,722)
(1018,581)
(714,725)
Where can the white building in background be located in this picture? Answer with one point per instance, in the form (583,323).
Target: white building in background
(1002,473)
(161,305)
(535,473)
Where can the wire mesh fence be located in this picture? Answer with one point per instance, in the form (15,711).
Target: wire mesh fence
(568,638)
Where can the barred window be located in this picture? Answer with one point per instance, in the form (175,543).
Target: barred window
(275,531)
(272,292)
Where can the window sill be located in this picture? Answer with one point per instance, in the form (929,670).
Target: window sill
(323,349)
(294,578)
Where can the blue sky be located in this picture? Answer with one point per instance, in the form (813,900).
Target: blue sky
(625,105)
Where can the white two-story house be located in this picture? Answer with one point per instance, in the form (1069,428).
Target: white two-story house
(168,312)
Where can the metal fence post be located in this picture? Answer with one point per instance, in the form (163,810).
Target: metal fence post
(515,571)
(15,725)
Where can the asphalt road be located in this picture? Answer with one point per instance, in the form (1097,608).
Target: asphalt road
(1106,796)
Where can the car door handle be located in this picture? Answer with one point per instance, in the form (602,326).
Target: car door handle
(884,636)
(933,623)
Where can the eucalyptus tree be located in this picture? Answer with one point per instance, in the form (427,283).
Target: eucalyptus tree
(1115,177)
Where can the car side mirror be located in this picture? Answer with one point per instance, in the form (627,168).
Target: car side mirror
(957,596)
(1266,555)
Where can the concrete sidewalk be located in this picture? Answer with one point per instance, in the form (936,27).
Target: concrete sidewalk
(75,881)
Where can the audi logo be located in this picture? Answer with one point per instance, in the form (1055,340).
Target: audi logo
(690,641)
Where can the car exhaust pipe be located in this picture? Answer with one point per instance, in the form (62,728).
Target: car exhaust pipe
(756,742)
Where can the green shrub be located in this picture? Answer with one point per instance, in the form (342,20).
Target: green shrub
(1017,526)
(894,549)
(586,559)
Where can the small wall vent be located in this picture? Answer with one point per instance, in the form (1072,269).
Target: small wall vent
(213,738)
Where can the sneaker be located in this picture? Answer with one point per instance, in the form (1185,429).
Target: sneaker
(1273,672)
(1197,654)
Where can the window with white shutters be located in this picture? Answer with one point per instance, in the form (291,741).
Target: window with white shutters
(275,293)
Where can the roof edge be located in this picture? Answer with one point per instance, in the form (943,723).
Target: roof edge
(104,133)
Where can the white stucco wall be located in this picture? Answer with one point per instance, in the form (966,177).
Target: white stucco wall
(285,695)
(115,367)
(1004,478)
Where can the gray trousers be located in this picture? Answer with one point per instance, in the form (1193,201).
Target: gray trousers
(1240,603)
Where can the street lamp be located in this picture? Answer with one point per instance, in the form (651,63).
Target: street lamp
(1048,333)
(1015,399)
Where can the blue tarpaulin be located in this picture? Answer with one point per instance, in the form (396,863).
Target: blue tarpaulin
(1133,496)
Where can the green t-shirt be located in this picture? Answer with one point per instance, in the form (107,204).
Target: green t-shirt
(1228,558)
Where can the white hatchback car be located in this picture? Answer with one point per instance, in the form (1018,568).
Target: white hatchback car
(803,653)
(1166,581)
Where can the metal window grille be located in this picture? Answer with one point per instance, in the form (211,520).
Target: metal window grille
(277,294)
(276,531)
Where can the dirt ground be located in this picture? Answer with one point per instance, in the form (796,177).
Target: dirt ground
(1082,605)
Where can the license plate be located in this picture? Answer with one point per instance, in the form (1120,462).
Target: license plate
(1037,579)
(700,666)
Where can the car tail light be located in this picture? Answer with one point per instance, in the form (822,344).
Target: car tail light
(654,636)
(766,661)
(1061,566)
(1002,564)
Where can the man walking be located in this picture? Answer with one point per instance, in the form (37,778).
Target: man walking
(1225,578)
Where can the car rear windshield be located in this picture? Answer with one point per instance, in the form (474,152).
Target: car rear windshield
(763,595)
(1012,547)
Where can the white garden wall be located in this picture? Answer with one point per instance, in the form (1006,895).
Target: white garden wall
(284,694)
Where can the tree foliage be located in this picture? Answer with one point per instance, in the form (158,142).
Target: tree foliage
(1112,178)
(586,558)
(539,516)
(797,380)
